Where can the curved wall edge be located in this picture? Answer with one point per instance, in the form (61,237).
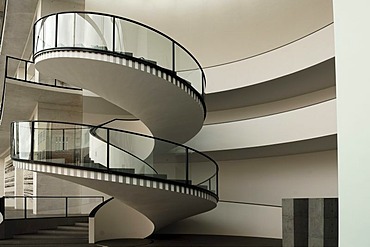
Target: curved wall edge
(270,108)
(301,124)
(274,64)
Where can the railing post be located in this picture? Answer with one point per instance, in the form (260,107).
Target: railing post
(63,139)
(187,166)
(25,71)
(2,206)
(173,57)
(114,35)
(66,206)
(56,31)
(32,140)
(25,207)
(108,149)
(217,183)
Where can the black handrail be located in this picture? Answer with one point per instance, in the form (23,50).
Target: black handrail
(114,18)
(93,132)
(29,80)
(211,176)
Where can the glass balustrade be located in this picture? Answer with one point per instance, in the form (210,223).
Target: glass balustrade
(118,36)
(28,207)
(113,150)
(25,71)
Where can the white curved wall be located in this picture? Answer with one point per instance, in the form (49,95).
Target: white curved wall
(305,123)
(275,107)
(273,64)
(225,30)
(265,181)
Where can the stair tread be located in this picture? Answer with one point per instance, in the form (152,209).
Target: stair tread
(61,232)
(51,236)
(73,228)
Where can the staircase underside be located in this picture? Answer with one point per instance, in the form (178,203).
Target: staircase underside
(160,202)
(165,103)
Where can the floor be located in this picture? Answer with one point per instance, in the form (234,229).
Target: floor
(194,240)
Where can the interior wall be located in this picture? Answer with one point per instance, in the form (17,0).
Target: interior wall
(352,41)
(270,108)
(301,124)
(263,181)
(53,6)
(224,30)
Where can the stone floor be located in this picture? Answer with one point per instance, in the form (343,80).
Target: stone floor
(194,240)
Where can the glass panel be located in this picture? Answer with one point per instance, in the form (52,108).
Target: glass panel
(130,153)
(48,207)
(16,69)
(22,140)
(201,169)
(96,157)
(45,33)
(93,31)
(66,30)
(14,208)
(82,206)
(188,69)
(140,42)
(170,160)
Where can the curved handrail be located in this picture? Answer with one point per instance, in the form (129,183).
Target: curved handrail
(93,132)
(114,19)
(21,150)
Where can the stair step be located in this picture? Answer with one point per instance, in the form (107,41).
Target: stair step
(203,187)
(55,242)
(49,236)
(162,176)
(74,228)
(181,181)
(62,232)
(125,170)
(94,165)
(85,224)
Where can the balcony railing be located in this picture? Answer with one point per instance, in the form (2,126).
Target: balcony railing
(23,70)
(117,36)
(114,151)
(30,207)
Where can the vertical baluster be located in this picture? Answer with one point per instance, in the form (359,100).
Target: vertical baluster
(187,166)
(108,149)
(66,206)
(114,35)
(56,30)
(25,207)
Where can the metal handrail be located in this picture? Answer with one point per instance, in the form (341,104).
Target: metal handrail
(211,176)
(26,207)
(114,18)
(29,80)
(93,132)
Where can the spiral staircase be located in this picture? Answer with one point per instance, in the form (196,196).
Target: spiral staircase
(154,179)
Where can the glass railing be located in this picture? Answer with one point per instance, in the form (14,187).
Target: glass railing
(29,207)
(121,37)
(25,71)
(112,150)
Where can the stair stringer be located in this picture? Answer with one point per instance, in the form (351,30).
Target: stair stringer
(162,203)
(107,223)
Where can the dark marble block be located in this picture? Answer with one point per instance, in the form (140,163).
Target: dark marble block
(310,222)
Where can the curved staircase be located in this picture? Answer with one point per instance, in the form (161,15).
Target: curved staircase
(154,179)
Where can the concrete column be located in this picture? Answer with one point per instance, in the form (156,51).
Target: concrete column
(2,177)
(18,188)
(352,43)
(295,222)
